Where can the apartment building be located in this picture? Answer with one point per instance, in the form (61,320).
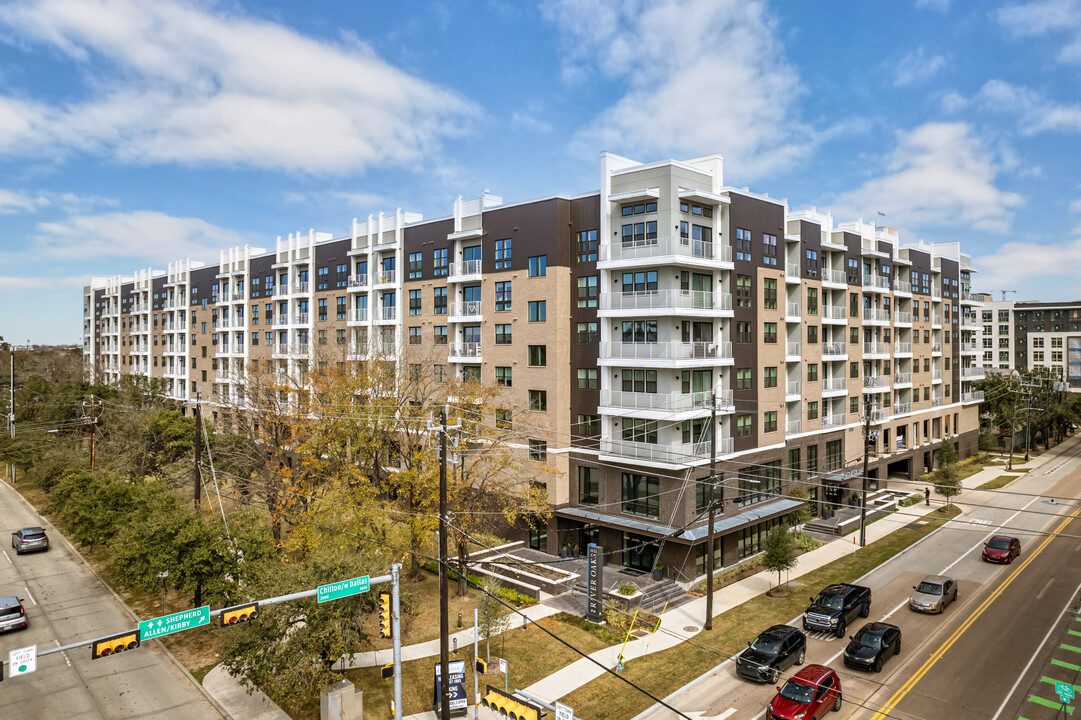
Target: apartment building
(635,334)
(1025,335)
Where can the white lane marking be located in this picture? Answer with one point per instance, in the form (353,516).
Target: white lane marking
(1039,649)
(1039,596)
(62,652)
(1007,521)
(29,595)
(8,557)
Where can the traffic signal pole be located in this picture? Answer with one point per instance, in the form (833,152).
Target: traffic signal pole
(444,609)
(396,631)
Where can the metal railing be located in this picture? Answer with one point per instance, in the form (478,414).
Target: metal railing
(902,378)
(792,427)
(875,348)
(834,312)
(301,287)
(358,280)
(971,372)
(792,387)
(470,308)
(673,453)
(463,268)
(684,247)
(465,350)
(902,286)
(791,269)
(902,408)
(835,420)
(834,384)
(792,309)
(875,315)
(833,348)
(667,350)
(675,402)
(837,277)
(389,313)
(975,396)
(791,348)
(876,381)
(358,314)
(668,298)
(902,348)
(902,317)
(874,281)
(388,277)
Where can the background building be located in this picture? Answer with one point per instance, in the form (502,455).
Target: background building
(1025,335)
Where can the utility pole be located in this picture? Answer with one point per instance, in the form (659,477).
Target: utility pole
(396,632)
(867,411)
(712,507)
(444,609)
(198,448)
(11,402)
(93,427)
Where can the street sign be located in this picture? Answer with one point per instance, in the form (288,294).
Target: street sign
(23,660)
(344,588)
(456,670)
(169,624)
(502,666)
(564,712)
(1064,691)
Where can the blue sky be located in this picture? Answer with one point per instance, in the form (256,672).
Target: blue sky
(134,133)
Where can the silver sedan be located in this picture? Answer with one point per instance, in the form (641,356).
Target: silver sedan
(933,594)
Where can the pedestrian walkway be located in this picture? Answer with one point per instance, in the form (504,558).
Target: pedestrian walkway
(231,695)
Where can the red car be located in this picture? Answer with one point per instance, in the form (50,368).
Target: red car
(808,695)
(1001,549)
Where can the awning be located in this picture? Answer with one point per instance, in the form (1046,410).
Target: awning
(842,476)
(755,515)
(616,520)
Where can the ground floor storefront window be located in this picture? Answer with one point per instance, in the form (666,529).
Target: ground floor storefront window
(752,537)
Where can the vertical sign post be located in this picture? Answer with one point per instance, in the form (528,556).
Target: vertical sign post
(594,584)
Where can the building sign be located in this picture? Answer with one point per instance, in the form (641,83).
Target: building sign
(458,700)
(594,583)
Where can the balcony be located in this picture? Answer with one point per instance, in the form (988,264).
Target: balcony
(301,287)
(669,246)
(972,397)
(936,320)
(300,318)
(833,348)
(238,296)
(972,373)
(791,271)
(667,299)
(876,381)
(667,402)
(666,350)
(874,315)
(465,350)
(388,312)
(969,323)
(835,384)
(902,379)
(793,427)
(874,282)
(834,277)
(792,310)
(792,387)
(936,402)
(792,350)
(833,421)
(902,408)
(281,289)
(936,293)
(672,453)
(463,270)
(876,348)
(902,348)
(880,415)
(902,286)
(969,348)
(358,281)
(902,318)
(390,276)
(936,376)
(970,299)
(834,312)
(358,314)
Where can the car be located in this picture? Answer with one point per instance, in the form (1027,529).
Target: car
(933,594)
(1001,549)
(872,645)
(29,538)
(835,606)
(777,648)
(12,614)
(808,695)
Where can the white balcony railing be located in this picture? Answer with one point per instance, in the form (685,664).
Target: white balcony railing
(902,378)
(936,319)
(902,286)
(281,289)
(674,402)
(666,350)
(902,318)
(875,348)
(936,402)
(902,348)
(902,408)
(358,314)
(463,268)
(834,384)
(837,277)
(678,246)
(792,387)
(969,373)
(466,350)
(672,453)
(834,312)
(665,299)
(936,375)
(832,421)
(791,309)
(301,287)
(792,349)
(389,276)
(880,415)
(300,318)
(389,312)
(875,315)
(874,281)
(936,347)
(471,308)
(793,427)
(876,381)
(791,269)
(975,396)
(358,280)
(833,348)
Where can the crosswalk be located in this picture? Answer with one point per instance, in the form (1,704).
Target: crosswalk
(823,635)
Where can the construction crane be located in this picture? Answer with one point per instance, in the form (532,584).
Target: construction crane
(1004,293)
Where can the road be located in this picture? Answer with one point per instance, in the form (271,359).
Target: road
(961,664)
(66,603)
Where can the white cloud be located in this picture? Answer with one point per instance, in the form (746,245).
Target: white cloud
(917,67)
(700,76)
(175,81)
(1035,113)
(12,202)
(939,175)
(1046,17)
(1014,264)
(142,236)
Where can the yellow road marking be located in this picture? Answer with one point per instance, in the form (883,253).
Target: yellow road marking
(930,662)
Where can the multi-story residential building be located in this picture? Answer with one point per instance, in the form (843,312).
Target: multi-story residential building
(627,354)
(1024,335)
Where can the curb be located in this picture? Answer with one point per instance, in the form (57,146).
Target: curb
(210,698)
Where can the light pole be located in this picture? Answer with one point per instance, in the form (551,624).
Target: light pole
(161,576)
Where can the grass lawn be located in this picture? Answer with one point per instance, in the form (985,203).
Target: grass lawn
(1000,482)
(531,655)
(664,672)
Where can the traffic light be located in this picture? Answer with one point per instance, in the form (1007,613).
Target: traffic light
(387,671)
(384,615)
(481,666)
(239,613)
(115,644)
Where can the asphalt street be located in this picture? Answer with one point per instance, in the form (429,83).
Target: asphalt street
(66,603)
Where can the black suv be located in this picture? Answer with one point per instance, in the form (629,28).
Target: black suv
(836,606)
(776,649)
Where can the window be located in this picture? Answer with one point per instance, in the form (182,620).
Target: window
(440,301)
(744,379)
(812,411)
(769,422)
(589,425)
(538,311)
(812,301)
(471,373)
(769,293)
(339,308)
(503,419)
(853,369)
(538,400)
(1037,356)
(588,486)
(769,377)
(744,426)
(502,296)
(414,265)
(812,334)
(414,335)
(744,334)
(322,277)
(538,266)
(743,245)
(414,302)
(638,331)
(706,491)
(439,373)
(538,355)
(322,308)
(639,430)
(811,263)
(339,337)
(639,208)
(640,281)
(588,332)
(440,334)
(640,494)
(440,265)
(538,449)
(587,379)
(744,291)
(854,405)
(812,372)
(640,233)
(502,376)
(639,381)
(769,332)
(502,254)
(587,291)
(853,304)
(587,246)
(769,249)
(793,464)
(503,334)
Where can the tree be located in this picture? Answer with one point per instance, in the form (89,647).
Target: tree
(779,551)
(947,479)
(803,513)
(492,616)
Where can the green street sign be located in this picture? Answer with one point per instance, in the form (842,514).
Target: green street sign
(1064,691)
(184,620)
(344,588)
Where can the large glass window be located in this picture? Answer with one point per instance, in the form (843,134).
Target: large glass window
(640,494)
(639,381)
(587,246)
(587,291)
(639,430)
(588,486)
(502,254)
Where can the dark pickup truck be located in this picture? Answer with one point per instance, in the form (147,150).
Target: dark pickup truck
(835,606)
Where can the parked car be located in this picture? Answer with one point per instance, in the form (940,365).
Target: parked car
(872,645)
(1001,549)
(775,649)
(933,594)
(836,606)
(12,614)
(808,695)
(29,538)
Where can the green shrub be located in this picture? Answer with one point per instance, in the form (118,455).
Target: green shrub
(805,542)
(910,501)
(627,589)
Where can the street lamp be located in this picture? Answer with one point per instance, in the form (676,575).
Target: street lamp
(161,576)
